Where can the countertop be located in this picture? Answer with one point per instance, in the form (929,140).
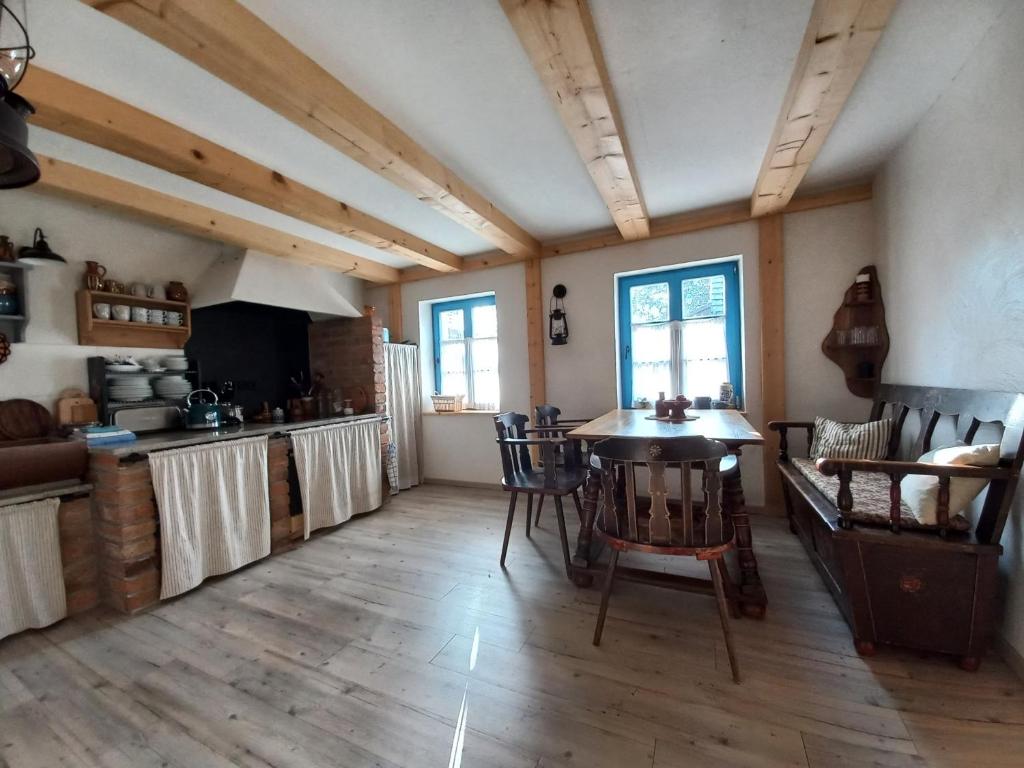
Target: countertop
(29,493)
(157,441)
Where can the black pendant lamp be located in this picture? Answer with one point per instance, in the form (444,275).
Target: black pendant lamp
(39,252)
(18,166)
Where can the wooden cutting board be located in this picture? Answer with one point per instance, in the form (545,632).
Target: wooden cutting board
(75,407)
(23,420)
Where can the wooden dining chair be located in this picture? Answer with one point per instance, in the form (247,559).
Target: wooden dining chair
(520,476)
(656,524)
(548,422)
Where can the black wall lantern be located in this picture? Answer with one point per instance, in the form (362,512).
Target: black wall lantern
(558,323)
(18,166)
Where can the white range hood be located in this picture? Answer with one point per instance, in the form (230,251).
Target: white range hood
(263,279)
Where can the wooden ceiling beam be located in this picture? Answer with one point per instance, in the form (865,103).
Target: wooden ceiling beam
(837,44)
(83,113)
(666,226)
(233,44)
(560,38)
(108,192)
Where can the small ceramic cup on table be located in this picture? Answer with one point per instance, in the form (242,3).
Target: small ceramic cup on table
(101,311)
(121,312)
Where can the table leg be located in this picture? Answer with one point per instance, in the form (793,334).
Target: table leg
(581,561)
(752,597)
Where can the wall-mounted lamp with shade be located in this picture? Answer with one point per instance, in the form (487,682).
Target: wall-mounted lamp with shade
(18,166)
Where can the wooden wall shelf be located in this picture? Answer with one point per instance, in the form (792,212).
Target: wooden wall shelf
(93,331)
(859,340)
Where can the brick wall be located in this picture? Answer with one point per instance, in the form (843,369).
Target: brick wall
(78,553)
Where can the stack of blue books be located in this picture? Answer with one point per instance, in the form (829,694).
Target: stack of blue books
(105,435)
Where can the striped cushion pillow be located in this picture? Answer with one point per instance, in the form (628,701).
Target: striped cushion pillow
(835,440)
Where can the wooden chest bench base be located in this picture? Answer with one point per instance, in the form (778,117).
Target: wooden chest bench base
(907,589)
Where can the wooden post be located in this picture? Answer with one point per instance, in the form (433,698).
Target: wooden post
(395,312)
(535,335)
(771,277)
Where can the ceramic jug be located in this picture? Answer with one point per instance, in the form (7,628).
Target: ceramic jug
(94,273)
(176,291)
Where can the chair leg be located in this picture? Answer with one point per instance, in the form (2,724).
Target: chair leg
(563,535)
(579,507)
(540,506)
(606,593)
(730,589)
(508,526)
(723,613)
(529,512)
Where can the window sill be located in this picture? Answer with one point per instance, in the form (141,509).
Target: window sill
(464,412)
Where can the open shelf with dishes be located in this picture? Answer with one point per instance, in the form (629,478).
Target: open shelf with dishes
(149,322)
(116,388)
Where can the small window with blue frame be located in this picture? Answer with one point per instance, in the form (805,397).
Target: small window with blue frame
(466,350)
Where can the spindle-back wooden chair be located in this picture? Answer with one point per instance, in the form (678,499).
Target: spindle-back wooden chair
(657,524)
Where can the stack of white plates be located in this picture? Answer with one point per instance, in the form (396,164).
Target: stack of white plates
(172,387)
(130,389)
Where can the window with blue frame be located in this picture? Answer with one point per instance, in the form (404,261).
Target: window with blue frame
(679,332)
(466,350)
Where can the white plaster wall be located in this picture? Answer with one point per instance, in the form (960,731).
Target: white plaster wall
(50,360)
(582,377)
(825,249)
(950,207)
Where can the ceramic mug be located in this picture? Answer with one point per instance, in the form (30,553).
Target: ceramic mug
(140,314)
(173,318)
(121,312)
(157,317)
(102,311)
(157,292)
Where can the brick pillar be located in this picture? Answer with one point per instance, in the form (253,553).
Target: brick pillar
(280,494)
(126,525)
(78,553)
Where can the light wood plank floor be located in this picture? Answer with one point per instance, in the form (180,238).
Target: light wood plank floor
(397,641)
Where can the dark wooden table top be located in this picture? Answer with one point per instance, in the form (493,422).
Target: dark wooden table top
(729,427)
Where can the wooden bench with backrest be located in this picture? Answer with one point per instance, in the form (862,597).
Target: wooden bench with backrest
(896,581)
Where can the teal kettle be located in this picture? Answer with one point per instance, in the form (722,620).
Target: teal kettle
(202,415)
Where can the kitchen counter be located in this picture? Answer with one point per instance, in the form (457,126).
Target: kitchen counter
(158,441)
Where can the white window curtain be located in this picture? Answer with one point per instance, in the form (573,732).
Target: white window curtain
(679,357)
(404,406)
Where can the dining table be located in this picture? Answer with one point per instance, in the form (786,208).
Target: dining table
(728,426)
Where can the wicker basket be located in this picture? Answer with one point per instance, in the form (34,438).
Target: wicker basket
(447,403)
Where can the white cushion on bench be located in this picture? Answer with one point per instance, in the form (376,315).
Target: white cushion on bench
(921,492)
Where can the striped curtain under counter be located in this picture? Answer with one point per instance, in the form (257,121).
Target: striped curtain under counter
(31,575)
(339,469)
(214,506)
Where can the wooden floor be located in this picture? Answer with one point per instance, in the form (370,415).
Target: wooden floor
(397,641)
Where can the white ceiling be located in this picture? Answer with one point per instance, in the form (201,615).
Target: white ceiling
(699,83)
